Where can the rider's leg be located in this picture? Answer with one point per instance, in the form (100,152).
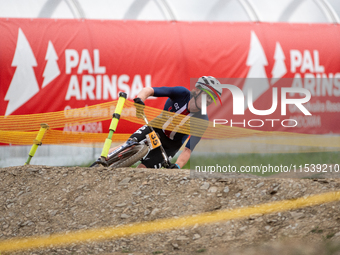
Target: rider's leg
(112,149)
(155,158)
(139,134)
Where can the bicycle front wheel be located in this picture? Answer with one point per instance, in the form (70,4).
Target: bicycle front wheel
(128,156)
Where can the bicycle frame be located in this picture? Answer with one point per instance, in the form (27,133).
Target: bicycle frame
(152,142)
(165,156)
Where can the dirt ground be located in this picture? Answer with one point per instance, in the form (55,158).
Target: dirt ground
(41,200)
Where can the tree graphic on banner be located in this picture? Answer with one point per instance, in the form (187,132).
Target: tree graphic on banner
(279,69)
(52,69)
(256,61)
(24,84)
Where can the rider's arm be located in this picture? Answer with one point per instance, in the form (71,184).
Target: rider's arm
(171,92)
(183,157)
(145,93)
(174,93)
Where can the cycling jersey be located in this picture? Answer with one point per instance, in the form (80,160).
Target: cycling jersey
(177,102)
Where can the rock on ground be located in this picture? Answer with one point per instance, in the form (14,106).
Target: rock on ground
(41,200)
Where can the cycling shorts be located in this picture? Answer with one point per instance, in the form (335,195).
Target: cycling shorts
(154,158)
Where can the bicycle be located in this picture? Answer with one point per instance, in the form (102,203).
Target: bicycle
(133,151)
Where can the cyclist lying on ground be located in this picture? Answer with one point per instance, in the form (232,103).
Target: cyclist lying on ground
(180,101)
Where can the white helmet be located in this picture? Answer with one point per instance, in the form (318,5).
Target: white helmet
(209,83)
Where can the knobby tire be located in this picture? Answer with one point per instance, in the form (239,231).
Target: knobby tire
(127,157)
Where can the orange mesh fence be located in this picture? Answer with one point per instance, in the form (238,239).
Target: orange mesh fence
(22,129)
(57,137)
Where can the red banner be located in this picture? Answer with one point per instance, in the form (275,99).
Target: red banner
(53,65)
